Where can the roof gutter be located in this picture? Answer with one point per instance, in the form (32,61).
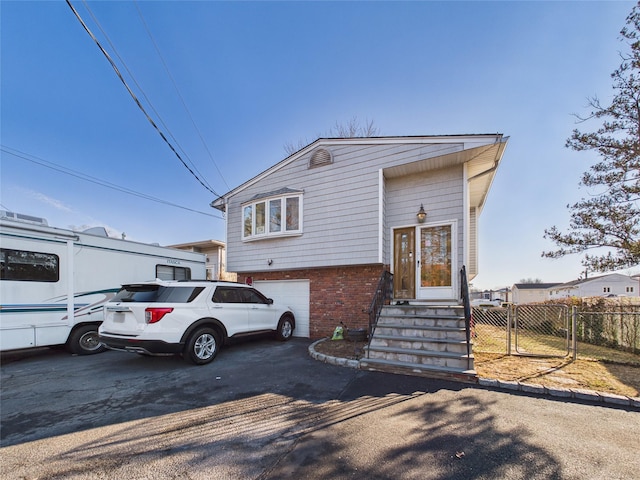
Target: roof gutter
(502,141)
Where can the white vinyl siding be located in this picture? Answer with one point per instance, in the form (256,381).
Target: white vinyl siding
(341,207)
(440,192)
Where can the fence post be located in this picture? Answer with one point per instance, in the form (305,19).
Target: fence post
(509,313)
(574,331)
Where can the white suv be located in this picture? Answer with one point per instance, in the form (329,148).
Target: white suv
(192,318)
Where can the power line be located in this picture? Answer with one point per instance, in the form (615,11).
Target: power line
(137,101)
(97,181)
(184,104)
(144,95)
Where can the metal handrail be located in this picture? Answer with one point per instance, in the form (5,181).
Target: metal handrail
(383,293)
(464,294)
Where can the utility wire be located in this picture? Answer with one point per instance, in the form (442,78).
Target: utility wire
(184,104)
(97,181)
(144,95)
(158,116)
(135,99)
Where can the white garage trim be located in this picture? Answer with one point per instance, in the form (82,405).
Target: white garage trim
(291,293)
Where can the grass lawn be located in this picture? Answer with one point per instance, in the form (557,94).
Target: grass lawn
(596,368)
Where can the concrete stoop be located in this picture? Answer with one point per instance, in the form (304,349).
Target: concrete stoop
(421,339)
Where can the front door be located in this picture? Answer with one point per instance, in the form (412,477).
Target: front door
(436,262)
(404,277)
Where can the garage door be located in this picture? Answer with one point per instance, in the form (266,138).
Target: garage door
(293,293)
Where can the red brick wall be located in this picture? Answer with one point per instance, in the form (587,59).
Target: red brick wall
(337,294)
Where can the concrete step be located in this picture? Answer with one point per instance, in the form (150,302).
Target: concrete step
(423,310)
(455,360)
(429,371)
(422,320)
(421,339)
(421,331)
(401,343)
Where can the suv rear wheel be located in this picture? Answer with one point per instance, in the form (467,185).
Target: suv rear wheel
(285,328)
(202,346)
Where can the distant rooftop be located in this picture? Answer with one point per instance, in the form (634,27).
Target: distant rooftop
(535,286)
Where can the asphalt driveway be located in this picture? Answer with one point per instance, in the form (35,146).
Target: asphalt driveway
(265,409)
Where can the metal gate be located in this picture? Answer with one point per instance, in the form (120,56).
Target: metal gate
(535,330)
(543,330)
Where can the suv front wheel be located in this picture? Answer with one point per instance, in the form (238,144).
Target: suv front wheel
(202,346)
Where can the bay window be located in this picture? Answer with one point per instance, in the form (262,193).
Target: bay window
(272,217)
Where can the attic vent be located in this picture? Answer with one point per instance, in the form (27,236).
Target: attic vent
(320,157)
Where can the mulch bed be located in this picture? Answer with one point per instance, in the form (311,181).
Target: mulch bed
(341,348)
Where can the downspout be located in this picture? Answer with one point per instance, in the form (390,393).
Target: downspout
(466,220)
(381,216)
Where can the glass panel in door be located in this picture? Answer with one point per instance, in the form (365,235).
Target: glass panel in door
(436,276)
(404,277)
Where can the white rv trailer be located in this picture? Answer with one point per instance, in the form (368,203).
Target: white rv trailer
(54,282)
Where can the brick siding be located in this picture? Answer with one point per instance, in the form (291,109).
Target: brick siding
(340,294)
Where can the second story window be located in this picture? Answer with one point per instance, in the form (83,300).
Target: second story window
(272,217)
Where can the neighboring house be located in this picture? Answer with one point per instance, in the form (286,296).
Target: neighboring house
(614,284)
(501,294)
(531,292)
(216,258)
(318,229)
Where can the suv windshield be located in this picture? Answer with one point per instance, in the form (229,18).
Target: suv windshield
(157,294)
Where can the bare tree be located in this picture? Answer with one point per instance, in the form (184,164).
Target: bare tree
(352,129)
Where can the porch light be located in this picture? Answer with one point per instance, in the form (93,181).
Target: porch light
(421,214)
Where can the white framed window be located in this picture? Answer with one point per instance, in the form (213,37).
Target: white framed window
(629,289)
(276,216)
(606,290)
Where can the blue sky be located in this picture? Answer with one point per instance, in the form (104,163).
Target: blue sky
(255,76)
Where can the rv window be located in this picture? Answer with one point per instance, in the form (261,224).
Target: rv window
(168,272)
(23,266)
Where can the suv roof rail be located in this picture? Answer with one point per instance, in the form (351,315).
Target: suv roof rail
(195,280)
(210,281)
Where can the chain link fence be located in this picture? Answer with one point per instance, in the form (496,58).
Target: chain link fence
(489,329)
(536,330)
(542,330)
(550,330)
(619,330)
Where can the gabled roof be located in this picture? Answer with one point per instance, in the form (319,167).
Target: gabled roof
(482,160)
(575,283)
(534,286)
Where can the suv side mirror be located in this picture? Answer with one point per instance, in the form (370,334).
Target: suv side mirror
(269,301)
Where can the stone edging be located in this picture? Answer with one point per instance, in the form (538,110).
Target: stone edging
(341,362)
(573,393)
